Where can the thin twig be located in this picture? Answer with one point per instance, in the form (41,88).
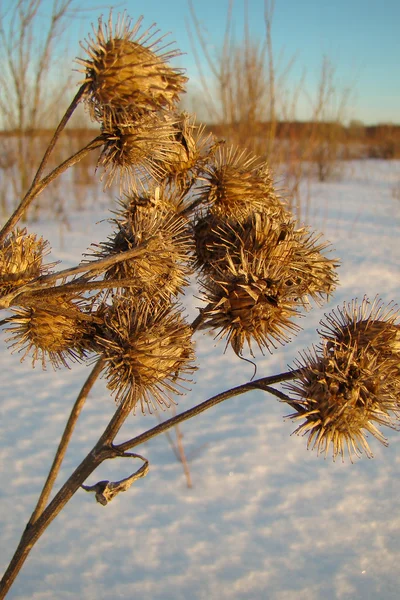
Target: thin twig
(36,189)
(178,449)
(36,287)
(258,384)
(182,456)
(58,131)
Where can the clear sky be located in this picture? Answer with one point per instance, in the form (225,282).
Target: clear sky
(360,37)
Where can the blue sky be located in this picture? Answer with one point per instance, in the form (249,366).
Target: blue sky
(360,37)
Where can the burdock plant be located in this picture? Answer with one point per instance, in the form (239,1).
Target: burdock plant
(191,209)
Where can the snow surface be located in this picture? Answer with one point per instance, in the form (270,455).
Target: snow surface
(265,517)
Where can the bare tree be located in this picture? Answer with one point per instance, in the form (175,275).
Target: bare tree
(249,93)
(328,114)
(30,92)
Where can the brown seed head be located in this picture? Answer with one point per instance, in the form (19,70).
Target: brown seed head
(343,396)
(263,240)
(125,69)
(237,184)
(137,151)
(159,197)
(190,151)
(314,272)
(56,330)
(218,238)
(21,260)
(162,269)
(148,350)
(351,383)
(248,300)
(370,325)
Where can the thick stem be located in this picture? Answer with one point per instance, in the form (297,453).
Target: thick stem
(33,533)
(65,439)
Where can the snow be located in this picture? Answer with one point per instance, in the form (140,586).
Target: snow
(265,517)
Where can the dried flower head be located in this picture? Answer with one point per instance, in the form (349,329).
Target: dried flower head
(266,239)
(246,309)
(237,184)
(162,269)
(21,260)
(191,148)
(351,384)
(163,198)
(251,296)
(57,330)
(313,272)
(138,150)
(370,325)
(127,69)
(148,350)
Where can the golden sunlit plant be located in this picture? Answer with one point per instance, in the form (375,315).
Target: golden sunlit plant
(191,210)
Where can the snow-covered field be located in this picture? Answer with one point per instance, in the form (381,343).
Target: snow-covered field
(265,519)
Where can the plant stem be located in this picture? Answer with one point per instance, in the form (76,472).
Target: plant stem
(39,288)
(259,384)
(65,439)
(182,456)
(32,193)
(36,189)
(73,287)
(33,533)
(58,131)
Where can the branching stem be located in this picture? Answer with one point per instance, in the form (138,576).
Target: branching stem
(105,449)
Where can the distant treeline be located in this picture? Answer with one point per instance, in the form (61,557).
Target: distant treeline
(355,140)
(300,129)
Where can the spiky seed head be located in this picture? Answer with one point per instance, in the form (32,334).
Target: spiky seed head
(127,69)
(210,248)
(371,325)
(247,313)
(191,149)
(164,198)
(238,183)
(222,240)
(341,398)
(149,352)
(136,151)
(162,269)
(248,301)
(21,260)
(57,330)
(264,239)
(351,383)
(314,271)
